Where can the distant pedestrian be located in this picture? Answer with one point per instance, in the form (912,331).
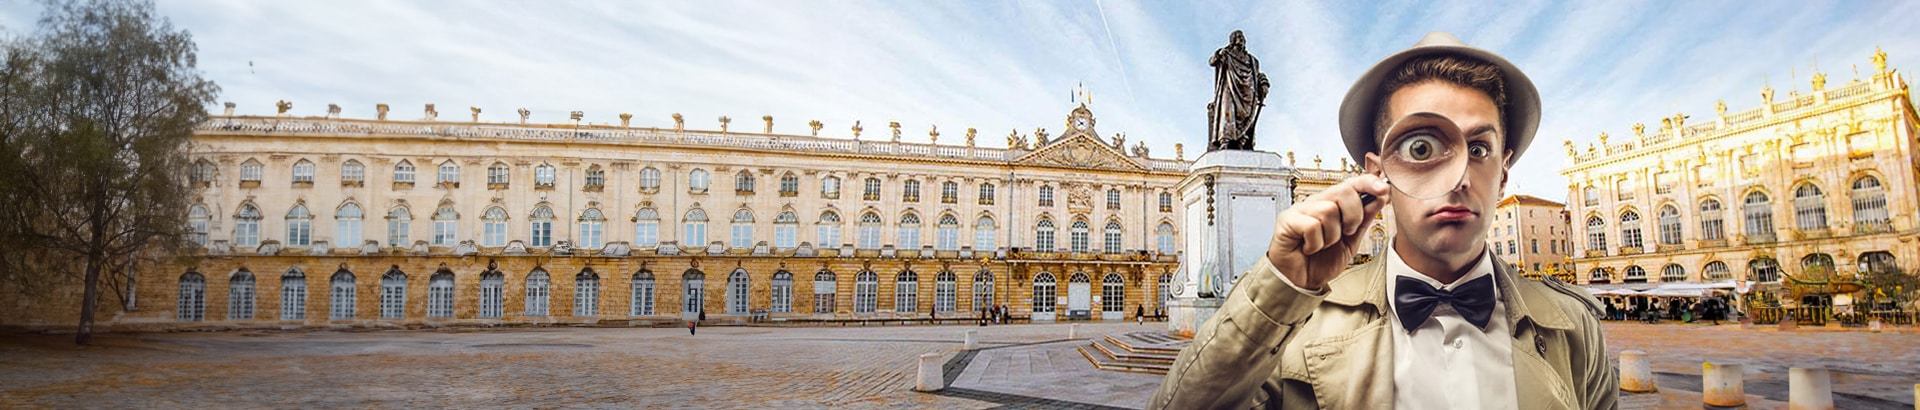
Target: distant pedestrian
(1140,314)
(690,327)
(703,315)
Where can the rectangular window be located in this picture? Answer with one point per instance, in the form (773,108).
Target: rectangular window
(646,234)
(348,233)
(496,233)
(827,235)
(491,291)
(742,236)
(642,298)
(696,233)
(353,172)
(397,232)
(909,237)
(786,236)
(247,233)
(443,232)
(591,235)
(299,232)
(542,233)
(869,237)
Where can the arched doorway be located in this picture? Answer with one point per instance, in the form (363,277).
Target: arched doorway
(1044,297)
(1079,295)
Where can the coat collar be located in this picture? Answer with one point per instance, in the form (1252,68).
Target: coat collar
(1526,300)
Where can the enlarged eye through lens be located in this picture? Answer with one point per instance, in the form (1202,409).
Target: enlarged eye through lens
(1419,148)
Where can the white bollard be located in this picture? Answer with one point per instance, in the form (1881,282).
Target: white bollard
(1073,331)
(1874,325)
(971,340)
(1722,384)
(1809,389)
(1635,375)
(930,378)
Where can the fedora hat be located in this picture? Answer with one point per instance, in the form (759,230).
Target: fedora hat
(1357,111)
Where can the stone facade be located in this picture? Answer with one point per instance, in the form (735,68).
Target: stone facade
(1530,233)
(1815,180)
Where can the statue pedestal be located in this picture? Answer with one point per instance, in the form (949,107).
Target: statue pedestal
(1231,198)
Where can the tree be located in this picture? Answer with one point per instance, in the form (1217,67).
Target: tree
(97,111)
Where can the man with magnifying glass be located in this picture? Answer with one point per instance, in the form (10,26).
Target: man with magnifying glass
(1438,322)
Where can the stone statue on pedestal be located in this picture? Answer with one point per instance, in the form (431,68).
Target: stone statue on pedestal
(1239,91)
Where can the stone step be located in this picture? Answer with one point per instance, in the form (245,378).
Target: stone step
(1132,342)
(1100,362)
(1122,354)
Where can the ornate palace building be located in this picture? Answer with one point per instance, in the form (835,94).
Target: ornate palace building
(326,221)
(1821,181)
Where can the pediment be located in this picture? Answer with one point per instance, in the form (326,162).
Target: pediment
(1081,151)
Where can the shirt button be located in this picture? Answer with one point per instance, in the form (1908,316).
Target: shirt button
(1458,343)
(1275,350)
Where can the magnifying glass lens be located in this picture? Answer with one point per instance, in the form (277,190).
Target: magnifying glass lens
(1424,156)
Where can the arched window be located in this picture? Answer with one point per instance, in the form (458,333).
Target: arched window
(1878,262)
(870,190)
(825,286)
(947,233)
(293,295)
(192,304)
(1044,295)
(586,293)
(830,187)
(1669,225)
(697,180)
(906,292)
(538,289)
(494,222)
(1113,294)
(347,222)
(983,235)
(646,228)
(393,294)
(742,229)
(592,228)
(303,172)
(449,173)
(493,291)
(649,178)
(643,288)
(789,185)
(693,291)
(786,230)
(949,192)
(1712,227)
(1870,206)
(738,286)
(1759,217)
(1043,236)
(910,191)
(1591,195)
(203,173)
(1630,230)
(1598,275)
(1111,244)
(199,221)
(298,227)
(1596,234)
(781,293)
(341,296)
(251,171)
(826,233)
(943,292)
(440,295)
(1079,236)
(543,176)
(1046,196)
(1763,270)
(983,289)
(403,172)
(1716,271)
(246,229)
(1113,199)
(869,231)
(696,227)
(445,226)
(909,232)
(1165,238)
(541,224)
(240,295)
(1809,207)
(986,194)
(866,292)
(743,182)
(596,177)
(1673,273)
(399,223)
(497,174)
(353,173)
(1166,202)
(1817,265)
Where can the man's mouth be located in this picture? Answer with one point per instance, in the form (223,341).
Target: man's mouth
(1452,213)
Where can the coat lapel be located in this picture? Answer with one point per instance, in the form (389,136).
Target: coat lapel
(1353,368)
(1537,384)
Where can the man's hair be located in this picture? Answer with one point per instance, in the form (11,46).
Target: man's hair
(1459,70)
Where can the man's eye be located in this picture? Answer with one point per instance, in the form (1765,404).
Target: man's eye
(1420,147)
(1479,151)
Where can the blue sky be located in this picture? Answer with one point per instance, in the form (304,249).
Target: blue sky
(1001,65)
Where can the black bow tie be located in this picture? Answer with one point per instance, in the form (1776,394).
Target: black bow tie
(1414,301)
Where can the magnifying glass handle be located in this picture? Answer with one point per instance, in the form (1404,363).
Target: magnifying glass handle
(1366,199)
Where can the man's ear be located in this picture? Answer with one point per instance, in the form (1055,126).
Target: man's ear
(1373,164)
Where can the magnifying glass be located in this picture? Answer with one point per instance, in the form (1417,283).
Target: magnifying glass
(1423,156)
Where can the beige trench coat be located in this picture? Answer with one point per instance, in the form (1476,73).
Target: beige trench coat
(1272,346)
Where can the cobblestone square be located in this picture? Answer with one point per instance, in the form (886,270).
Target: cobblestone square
(760,367)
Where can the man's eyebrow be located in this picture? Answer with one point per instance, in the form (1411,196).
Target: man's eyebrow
(1483,129)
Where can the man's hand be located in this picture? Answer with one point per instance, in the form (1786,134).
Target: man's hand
(1313,240)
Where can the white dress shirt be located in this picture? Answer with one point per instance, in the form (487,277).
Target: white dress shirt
(1446,362)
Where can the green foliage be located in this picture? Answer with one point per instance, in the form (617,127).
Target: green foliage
(97,110)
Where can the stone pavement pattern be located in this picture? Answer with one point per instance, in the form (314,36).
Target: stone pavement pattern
(724,367)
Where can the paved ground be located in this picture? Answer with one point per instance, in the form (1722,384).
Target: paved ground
(871,367)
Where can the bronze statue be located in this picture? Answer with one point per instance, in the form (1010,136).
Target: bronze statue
(1239,92)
